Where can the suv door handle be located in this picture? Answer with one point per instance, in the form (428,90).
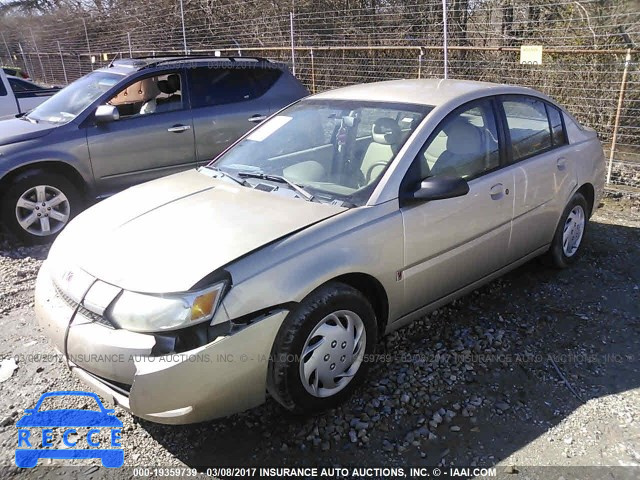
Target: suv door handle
(257,118)
(496,191)
(179,128)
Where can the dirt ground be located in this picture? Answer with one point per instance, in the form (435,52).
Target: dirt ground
(541,367)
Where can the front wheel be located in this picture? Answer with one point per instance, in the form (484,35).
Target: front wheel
(566,243)
(38,205)
(319,355)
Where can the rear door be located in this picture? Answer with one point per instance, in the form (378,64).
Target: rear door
(227,102)
(544,170)
(150,140)
(454,242)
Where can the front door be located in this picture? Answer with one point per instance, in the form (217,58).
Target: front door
(152,138)
(454,242)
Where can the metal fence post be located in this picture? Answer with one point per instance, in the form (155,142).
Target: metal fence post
(184,31)
(420,55)
(24,60)
(445,38)
(293,49)
(64,69)
(129,40)
(44,74)
(7,47)
(623,85)
(313,74)
(86,36)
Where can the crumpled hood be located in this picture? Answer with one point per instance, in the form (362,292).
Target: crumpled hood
(166,235)
(16,130)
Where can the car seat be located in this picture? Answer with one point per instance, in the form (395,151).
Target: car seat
(169,87)
(465,152)
(130,100)
(385,143)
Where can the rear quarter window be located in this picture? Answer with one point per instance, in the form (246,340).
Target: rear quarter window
(264,79)
(558,134)
(3,90)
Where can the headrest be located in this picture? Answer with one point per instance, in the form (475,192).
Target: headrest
(463,138)
(386,131)
(174,82)
(141,91)
(163,86)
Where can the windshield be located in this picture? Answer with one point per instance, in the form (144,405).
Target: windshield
(69,102)
(337,150)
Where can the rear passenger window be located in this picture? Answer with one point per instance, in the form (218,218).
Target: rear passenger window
(558,136)
(3,90)
(528,126)
(220,86)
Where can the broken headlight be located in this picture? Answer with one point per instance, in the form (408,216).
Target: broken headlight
(140,312)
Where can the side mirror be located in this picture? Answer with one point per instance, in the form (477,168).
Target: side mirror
(438,188)
(107,113)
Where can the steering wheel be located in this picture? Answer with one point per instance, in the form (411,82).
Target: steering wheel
(370,169)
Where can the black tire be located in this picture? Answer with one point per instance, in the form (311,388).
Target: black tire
(284,378)
(29,180)
(556,255)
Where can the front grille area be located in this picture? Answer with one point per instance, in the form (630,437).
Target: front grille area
(94,317)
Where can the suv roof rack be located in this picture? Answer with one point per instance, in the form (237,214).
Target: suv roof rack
(142,62)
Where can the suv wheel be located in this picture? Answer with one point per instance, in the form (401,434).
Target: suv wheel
(38,205)
(318,357)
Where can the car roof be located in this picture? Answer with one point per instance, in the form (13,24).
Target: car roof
(422,91)
(127,66)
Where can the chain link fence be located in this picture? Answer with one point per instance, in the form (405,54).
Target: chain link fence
(590,63)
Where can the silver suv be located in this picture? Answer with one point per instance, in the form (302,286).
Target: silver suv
(133,121)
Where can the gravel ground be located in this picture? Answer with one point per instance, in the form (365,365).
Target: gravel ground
(541,367)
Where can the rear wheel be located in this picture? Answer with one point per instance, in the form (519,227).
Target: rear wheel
(567,242)
(319,355)
(38,205)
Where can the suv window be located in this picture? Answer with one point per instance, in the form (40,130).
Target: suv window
(558,136)
(528,126)
(465,144)
(3,90)
(148,95)
(220,86)
(264,78)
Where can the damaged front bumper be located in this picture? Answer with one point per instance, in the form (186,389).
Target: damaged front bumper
(226,376)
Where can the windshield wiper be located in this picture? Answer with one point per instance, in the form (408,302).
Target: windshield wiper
(235,179)
(277,178)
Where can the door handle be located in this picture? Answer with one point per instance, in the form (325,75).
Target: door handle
(257,118)
(496,191)
(179,128)
(562,163)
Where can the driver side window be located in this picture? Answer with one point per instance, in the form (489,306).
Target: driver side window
(464,145)
(162,93)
